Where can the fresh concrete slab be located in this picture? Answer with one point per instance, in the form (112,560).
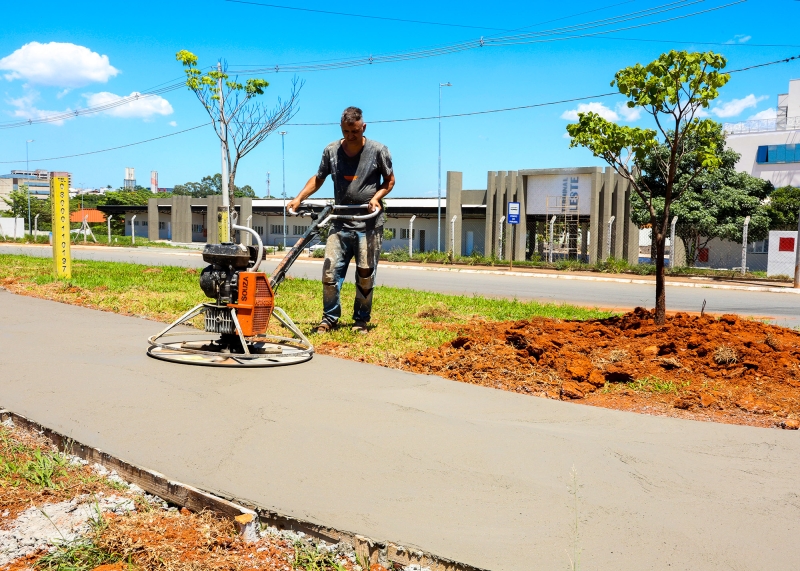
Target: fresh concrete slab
(478,475)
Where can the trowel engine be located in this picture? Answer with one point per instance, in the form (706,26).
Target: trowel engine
(229,283)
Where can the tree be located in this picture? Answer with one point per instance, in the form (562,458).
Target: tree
(714,204)
(210,185)
(783,207)
(240,121)
(673,89)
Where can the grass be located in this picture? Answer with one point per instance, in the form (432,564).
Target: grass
(400,321)
(102,240)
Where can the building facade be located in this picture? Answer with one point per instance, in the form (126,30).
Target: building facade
(770,148)
(38,182)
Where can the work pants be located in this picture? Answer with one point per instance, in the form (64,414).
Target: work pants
(341,247)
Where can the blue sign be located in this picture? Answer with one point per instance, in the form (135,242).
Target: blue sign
(513,212)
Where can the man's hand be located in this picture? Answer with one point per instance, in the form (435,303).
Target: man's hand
(293,205)
(374,204)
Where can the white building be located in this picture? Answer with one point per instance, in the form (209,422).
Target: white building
(770,148)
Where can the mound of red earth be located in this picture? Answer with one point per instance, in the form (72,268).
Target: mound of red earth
(724,369)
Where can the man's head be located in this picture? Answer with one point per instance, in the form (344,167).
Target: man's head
(353,125)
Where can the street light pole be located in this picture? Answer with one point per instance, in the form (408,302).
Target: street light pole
(283,162)
(439,203)
(28,169)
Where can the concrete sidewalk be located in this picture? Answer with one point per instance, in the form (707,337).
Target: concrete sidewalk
(466,472)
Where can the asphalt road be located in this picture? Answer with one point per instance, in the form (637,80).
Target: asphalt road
(467,472)
(782,308)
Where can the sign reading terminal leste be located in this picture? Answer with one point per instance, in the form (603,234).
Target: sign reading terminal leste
(59,201)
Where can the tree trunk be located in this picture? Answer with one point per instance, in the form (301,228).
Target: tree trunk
(653,251)
(661,294)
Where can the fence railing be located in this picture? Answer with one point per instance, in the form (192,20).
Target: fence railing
(762,125)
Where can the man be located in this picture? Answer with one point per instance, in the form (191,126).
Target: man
(362,173)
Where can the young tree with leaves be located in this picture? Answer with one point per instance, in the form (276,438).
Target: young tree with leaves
(240,121)
(673,90)
(714,203)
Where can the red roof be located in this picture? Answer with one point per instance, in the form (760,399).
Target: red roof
(93,214)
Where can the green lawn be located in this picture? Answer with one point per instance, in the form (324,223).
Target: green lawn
(404,320)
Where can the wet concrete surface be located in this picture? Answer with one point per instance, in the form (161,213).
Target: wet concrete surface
(478,475)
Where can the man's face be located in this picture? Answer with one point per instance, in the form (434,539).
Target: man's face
(353,132)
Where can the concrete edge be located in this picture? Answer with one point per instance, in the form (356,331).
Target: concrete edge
(245,518)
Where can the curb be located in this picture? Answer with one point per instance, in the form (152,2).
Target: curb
(246,519)
(525,274)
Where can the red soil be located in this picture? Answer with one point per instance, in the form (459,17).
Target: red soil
(722,369)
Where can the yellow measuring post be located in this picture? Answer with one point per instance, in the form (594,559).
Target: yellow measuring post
(59,200)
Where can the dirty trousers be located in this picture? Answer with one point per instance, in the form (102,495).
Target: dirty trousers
(342,246)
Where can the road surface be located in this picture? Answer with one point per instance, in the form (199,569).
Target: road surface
(782,308)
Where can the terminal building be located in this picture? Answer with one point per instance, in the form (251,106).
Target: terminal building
(561,210)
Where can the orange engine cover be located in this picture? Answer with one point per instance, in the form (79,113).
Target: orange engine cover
(255,304)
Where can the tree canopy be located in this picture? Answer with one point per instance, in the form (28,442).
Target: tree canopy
(210,185)
(673,90)
(784,204)
(713,203)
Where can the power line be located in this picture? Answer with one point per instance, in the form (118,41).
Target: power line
(384,18)
(112,148)
(527,38)
(428,118)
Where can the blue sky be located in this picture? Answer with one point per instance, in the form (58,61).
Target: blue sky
(115,49)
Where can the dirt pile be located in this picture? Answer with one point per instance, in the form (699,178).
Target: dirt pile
(724,369)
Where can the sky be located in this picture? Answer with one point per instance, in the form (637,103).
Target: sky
(66,57)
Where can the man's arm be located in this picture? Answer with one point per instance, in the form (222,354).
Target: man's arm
(312,186)
(383,190)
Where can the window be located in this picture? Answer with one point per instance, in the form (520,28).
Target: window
(197,228)
(760,247)
(300,230)
(277,229)
(392,231)
(144,222)
(259,230)
(778,154)
(404,234)
(136,223)
(162,225)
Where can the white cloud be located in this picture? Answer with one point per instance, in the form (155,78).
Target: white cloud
(739,39)
(143,107)
(58,65)
(25,108)
(735,106)
(173,123)
(620,111)
(765,114)
(598,108)
(628,114)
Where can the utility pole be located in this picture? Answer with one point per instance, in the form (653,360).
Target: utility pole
(223,216)
(283,162)
(439,203)
(28,169)
(268,192)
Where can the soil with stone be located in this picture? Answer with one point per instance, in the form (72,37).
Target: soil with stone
(722,369)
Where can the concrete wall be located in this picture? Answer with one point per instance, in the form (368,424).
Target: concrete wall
(781,263)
